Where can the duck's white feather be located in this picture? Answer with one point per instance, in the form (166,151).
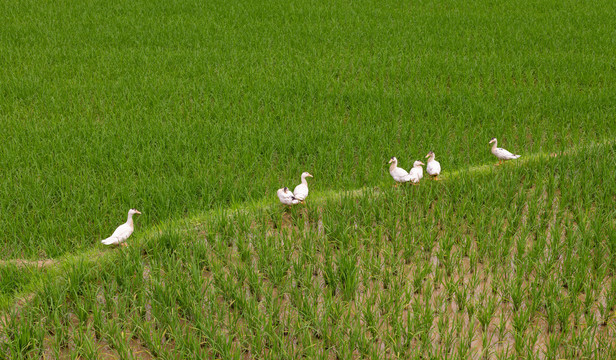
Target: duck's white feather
(503,154)
(300,192)
(287,197)
(433,168)
(416,174)
(120,234)
(399,174)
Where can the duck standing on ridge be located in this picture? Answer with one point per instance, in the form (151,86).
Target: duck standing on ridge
(301,191)
(416,172)
(434,167)
(501,153)
(286,197)
(399,174)
(123,231)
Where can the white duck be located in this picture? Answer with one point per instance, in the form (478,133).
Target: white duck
(399,174)
(434,167)
(286,197)
(501,153)
(301,191)
(416,172)
(123,231)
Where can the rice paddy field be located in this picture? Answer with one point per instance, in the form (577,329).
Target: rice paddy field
(195,113)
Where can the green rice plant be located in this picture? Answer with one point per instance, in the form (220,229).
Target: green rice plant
(85,346)
(529,345)
(486,344)
(447,328)
(486,310)
(563,312)
(348,276)
(608,304)
(419,275)
(605,347)
(22,336)
(98,320)
(516,291)
(329,273)
(520,322)
(461,297)
(116,337)
(502,325)
(271,261)
(255,282)
(13,279)
(464,343)
(553,344)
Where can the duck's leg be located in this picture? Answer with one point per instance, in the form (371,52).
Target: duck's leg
(436,178)
(124,244)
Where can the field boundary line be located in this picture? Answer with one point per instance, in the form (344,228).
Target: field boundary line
(323,196)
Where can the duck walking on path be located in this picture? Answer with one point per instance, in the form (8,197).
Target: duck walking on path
(501,153)
(123,231)
(301,191)
(434,167)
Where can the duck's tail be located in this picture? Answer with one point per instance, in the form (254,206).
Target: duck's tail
(109,241)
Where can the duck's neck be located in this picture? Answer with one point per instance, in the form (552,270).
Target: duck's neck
(393,166)
(304,180)
(431,158)
(130,219)
(494,145)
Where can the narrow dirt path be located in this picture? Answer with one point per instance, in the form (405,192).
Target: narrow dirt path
(20,263)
